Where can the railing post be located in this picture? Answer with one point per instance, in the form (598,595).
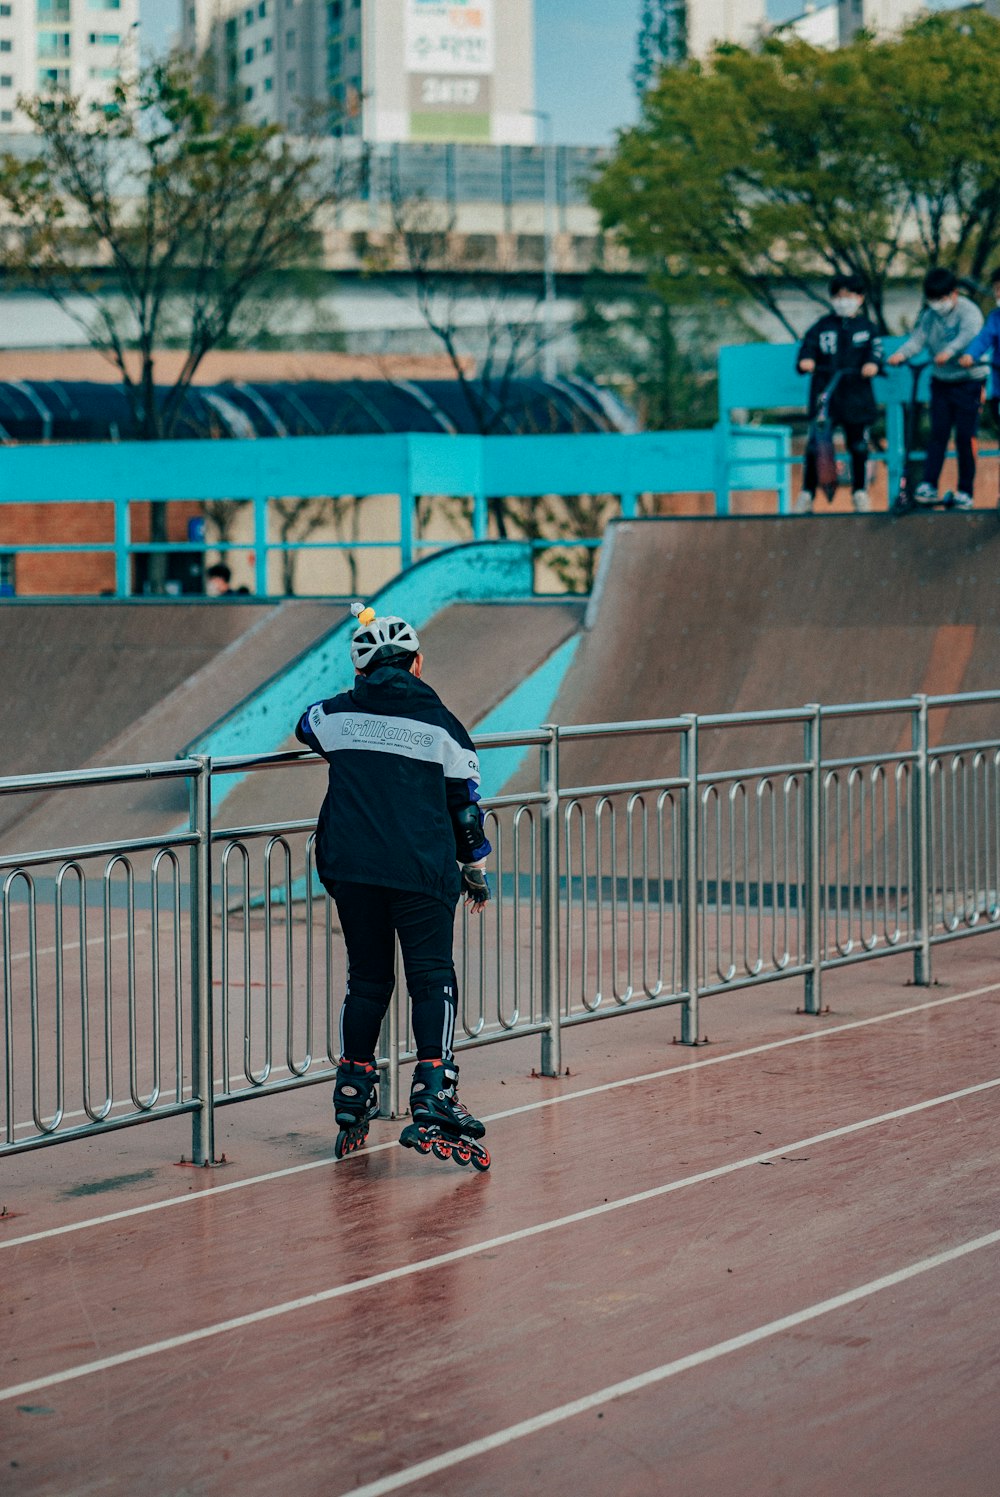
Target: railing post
(406,506)
(551,1059)
(260,544)
(388,1092)
(202,1017)
(123,539)
(813,754)
(480,516)
(920,894)
(690,906)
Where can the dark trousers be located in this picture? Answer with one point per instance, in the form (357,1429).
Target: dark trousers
(954,403)
(856,441)
(371,918)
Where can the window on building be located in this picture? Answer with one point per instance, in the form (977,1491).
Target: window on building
(6,80)
(352,42)
(5,10)
(53,10)
(6,116)
(291,79)
(248,56)
(248,92)
(104,39)
(268,85)
(248,18)
(8,562)
(53,43)
(262,8)
(269,44)
(105,4)
(289,39)
(53,78)
(103,74)
(333,56)
(6,45)
(334,11)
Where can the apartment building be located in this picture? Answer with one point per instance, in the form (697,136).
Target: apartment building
(391,70)
(79,46)
(712,21)
(833,23)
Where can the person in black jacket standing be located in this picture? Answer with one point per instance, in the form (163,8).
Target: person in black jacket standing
(400,836)
(847,344)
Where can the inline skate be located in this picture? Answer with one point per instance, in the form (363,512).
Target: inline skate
(355,1103)
(441,1125)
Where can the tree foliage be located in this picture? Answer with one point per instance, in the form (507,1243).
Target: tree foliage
(770,169)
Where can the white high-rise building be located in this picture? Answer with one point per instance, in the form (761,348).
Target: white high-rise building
(392,70)
(712,21)
(79,46)
(833,23)
(880,16)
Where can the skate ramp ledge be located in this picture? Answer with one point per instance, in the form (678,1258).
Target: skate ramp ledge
(527,706)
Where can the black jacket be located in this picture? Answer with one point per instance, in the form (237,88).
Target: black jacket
(400,767)
(843,343)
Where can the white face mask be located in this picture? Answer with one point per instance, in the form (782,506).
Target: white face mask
(940,306)
(847,306)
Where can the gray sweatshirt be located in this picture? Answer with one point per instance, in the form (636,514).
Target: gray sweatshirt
(947,332)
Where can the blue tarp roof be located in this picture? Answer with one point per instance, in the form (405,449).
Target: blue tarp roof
(68,411)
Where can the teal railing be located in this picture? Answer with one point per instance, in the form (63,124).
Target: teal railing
(409,465)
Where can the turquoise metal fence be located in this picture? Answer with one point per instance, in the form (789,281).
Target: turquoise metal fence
(409,465)
(763,377)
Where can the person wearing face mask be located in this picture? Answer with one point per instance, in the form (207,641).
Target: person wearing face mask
(943,333)
(986,345)
(847,344)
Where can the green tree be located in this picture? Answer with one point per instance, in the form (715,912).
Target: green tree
(160,220)
(771,169)
(938,88)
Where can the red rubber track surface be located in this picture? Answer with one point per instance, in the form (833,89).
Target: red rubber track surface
(620,1230)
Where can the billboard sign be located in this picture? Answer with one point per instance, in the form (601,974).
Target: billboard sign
(449,36)
(449,53)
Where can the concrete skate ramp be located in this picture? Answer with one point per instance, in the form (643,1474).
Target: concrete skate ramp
(743,614)
(178,669)
(118,683)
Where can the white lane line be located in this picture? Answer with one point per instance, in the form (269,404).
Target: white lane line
(22,956)
(655,1375)
(388,1276)
(717,1060)
(494,1117)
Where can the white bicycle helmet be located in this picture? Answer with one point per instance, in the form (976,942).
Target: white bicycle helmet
(381,641)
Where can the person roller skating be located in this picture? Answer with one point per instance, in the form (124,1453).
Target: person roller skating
(400,836)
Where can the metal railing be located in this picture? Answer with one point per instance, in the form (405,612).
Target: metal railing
(151,977)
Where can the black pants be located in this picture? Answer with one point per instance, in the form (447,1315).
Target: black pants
(371,917)
(856,441)
(954,403)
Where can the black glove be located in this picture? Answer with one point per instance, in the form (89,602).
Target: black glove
(474,886)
